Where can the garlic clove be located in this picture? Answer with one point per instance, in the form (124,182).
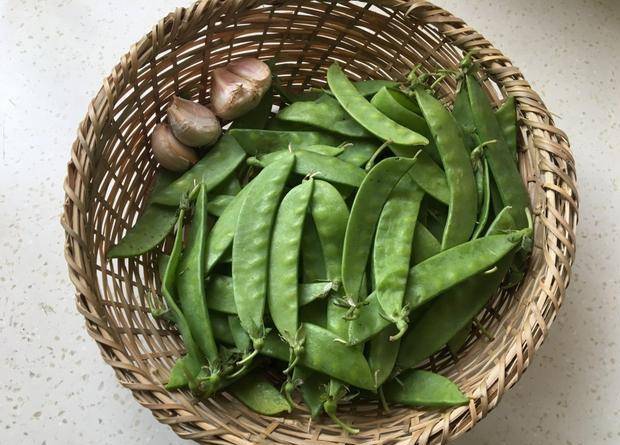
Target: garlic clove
(252,70)
(232,96)
(169,152)
(193,124)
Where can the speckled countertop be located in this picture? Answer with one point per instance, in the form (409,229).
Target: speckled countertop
(55,389)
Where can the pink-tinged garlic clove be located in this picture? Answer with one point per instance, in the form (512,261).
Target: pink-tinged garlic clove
(253,70)
(169,151)
(232,96)
(193,124)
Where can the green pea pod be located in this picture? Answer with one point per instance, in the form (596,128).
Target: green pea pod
(218,204)
(324,113)
(152,226)
(221,236)
(458,340)
(425,245)
(435,276)
(365,114)
(371,87)
(326,150)
(358,152)
(485,207)
(463,207)
(455,310)
(507,119)
(382,355)
(282,288)
(313,263)
(315,313)
(251,245)
(190,281)
(258,142)
(427,174)
(221,328)
(241,338)
(501,161)
(320,166)
(365,212)
(425,389)
(312,387)
(214,168)
(464,117)
(257,117)
(255,392)
(392,249)
(231,186)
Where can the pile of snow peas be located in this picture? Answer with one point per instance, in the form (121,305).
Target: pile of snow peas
(341,238)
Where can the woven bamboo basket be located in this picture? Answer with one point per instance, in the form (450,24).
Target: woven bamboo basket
(111,170)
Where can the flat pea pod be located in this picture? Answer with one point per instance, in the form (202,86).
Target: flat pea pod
(190,280)
(358,152)
(462,210)
(323,353)
(257,142)
(324,113)
(231,186)
(392,249)
(365,212)
(153,225)
(217,165)
(221,236)
(282,288)
(221,328)
(458,340)
(315,313)
(425,389)
(251,245)
(455,310)
(427,174)
(319,166)
(507,119)
(218,204)
(257,117)
(326,150)
(367,115)
(505,173)
(258,394)
(241,338)
(371,87)
(312,388)
(485,206)
(464,117)
(435,276)
(312,261)
(382,353)
(425,245)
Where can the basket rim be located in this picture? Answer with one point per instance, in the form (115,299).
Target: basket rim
(558,230)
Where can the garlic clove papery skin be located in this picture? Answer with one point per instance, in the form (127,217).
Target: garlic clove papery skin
(232,96)
(252,70)
(169,151)
(193,124)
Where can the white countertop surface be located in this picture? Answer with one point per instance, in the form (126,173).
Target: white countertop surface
(54,55)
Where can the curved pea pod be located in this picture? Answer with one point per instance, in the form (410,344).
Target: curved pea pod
(365,212)
(359,151)
(371,87)
(282,288)
(425,245)
(251,245)
(258,394)
(455,310)
(312,388)
(312,261)
(218,204)
(462,212)
(435,276)
(367,115)
(257,117)
(464,117)
(320,166)
(485,205)
(501,161)
(382,355)
(424,389)
(458,340)
(323,353)
(213,169)
(427,174)
(324,113)
(507,119)
(258,142)
(152,226)
(392,249)
(190,280)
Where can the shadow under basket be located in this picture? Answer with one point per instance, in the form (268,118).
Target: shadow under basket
(111,169)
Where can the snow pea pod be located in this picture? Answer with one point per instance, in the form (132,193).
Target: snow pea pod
(392,249)
(217,165)
(435,276)
(464,117)
(458,340)
(425,245)
(258,394)
(257,142)
(358,152)
(282,287)
(313,263)
(152,226)
(218,204)
(326,150)
(424,388)
(382,355)
(365,212)
(312,387)
(367,115)
(485,207)
(324,113)
(190,280)
(371,87)
(427,174)
(501,162)
(455,310)
(251,246)
(462,211)
(320,166)
(507,119)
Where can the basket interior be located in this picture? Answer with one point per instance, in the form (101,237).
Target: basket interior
(304,39)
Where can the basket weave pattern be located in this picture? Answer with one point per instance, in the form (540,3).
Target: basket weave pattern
(111,169)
